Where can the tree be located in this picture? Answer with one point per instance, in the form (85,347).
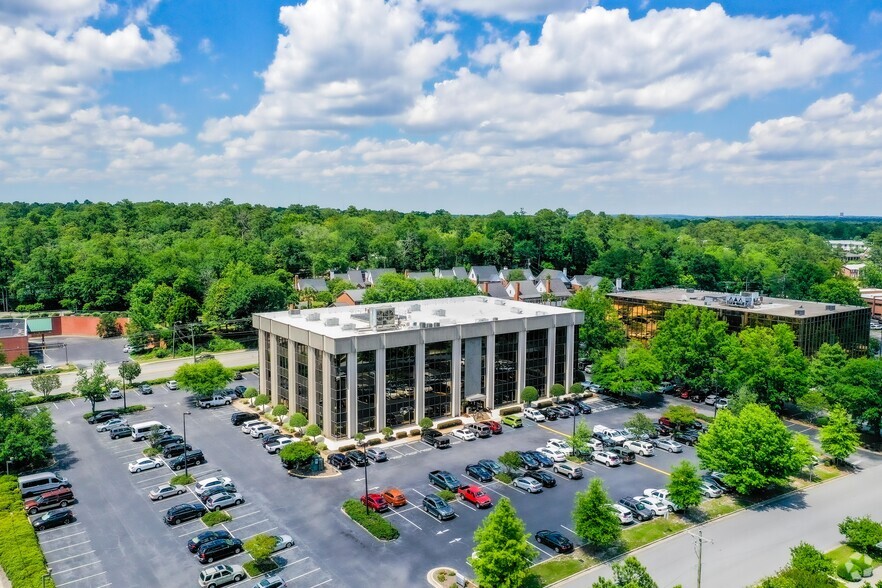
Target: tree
(46,383)
(25,435)
(862,533)
(260,547)
(594,520)
(107,326)
(359,438)
(640,424)
(808,558)
(262,400)
(387,432)
(754,448)
(581,440)
(681,416)
(250,393)
(92,386)
(685,485)
(558,390)
(576,388)
(2,355)
(768,362)
(838,290)
(629,370)
(426,423)
(692,346)
(510,460)
(602,329)
(812,403)
(279,411)
(859,391)
(826,365)
(839,437)
(742,397)
(298,452)
(203,378)
(128,371)
(629,573)
(502,555)
(313,431)
(25,364)
(298,420)
(529,395)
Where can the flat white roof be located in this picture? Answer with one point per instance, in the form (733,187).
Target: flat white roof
(444,311)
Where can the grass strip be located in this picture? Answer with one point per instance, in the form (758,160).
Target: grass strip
(20,553)
(373,523)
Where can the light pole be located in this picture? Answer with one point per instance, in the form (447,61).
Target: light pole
(186,460)
(8,461)
(47,575)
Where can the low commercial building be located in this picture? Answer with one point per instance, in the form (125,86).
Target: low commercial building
(360,369)
(814,323)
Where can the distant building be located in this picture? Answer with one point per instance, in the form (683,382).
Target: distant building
(372,276)
(455,272)
(873,298)
(850,250)
(853,270)
(14,337)
(484,273)
(420,275)
(350,297)
(314,284)
(554,274)
(505,272)
(354,277)
(553,290)
(523,290)
(814,323)
(579,282)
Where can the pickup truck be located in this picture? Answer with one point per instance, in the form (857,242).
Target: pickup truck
(435,439)
(476,496)
(444,480)
(216,400)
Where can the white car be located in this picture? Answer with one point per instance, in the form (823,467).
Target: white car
(657,507)
(283,542)
(223,500)
(207,483)
(606,458)
(48,366)
(560,444)
(722,403)
(166,490)
(106,426)
(171,385)
(625,515)
(528,484)
(145,463)
(710,490)
(127,349)
(663,496)
(262,429)
(552,453)
(595,444)
(668,445)
(464,434)
(246,426)
(711,399)
(643,448)
(277,445)
(115,394)
(534,415)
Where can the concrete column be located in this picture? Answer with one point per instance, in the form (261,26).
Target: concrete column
(351,394)
(456,377)
(522,363)
(549,361)
(327,379)
(491,372)
(274,370)
(292,377)
(381,388)
(310,395)
(571,341)
(261,362)
(419,387)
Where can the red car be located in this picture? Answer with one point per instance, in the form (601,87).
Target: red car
(375,502)
(495,427)
(476,496)
(666,422)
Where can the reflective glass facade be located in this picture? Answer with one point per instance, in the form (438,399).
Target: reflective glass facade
(537,360)
(473,375)
(339,391)
(267,363)
(367,391)
(439,379)
(301,378)
(282,354)
(400,382)
(319,388)
(505,387)
(560,355)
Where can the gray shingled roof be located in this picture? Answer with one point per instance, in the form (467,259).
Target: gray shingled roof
(553,274)
(528,290)
(586,281)
(317,284)
(420,275)
(497,290)
(355,277)
(372,275)
(528,275)
(357,295)
(485,273)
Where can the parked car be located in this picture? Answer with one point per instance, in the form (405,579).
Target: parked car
(238,418)
(184,512)
(239,391)
(277,445)
(666,422)
(552,453)
(218,549)
(549,413)
(643,448)
(375,502)
(475,495)
(718,478)
(175,449)
(437,507)
(668,445)
(164,442)
(561,445)
(56,518)
(544,478)
(48,500)
(663,496)
(260,430)
(283,542)
(711,399)
(339,461)
(722,403)
(479,473)
(686,437)
(464,434)
(529,484)
(710,490)
(527,461)
(246,426)
(376,455)
(534,414)
(663,430)
(188,459)
(271,582)
(624,514)
(573,472)
(584,407)
(112,423)
(357,458)
(205,537)
(512,420)
(103,416)
(542,459)
(206,483)
(606,458)
(120,431)
(554,540)
(238,375)
(165,490)
(145,389)
(494,466)
(625,455)
(640,511)
(394,497)
(495,427)
(223,500)
(171,385)
(221,576)
(655,505)
(145,463)
(115,393)
(569,408)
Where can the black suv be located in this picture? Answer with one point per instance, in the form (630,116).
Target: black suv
(550,414)
(554,540)
(527,461)
(237,418)
(55,518)
(190,458)
(103,416)
(184,512)
(545,478)
(544,460)
(479,473)
(339,461)
(626,455)
(204,537)
(167,440)
(175,449)
(212,490)
(637,508)
(357,458)
(145,389)
(218,549)
(686,437)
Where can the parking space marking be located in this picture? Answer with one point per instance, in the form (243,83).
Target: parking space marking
(79,567)
(395,512)
(263,532)
(64,537)
(312,571)
(246,526)
(646,465)
(320,583)
(80,580)
(47,531)
(66,546)
(538,546)
(55,561)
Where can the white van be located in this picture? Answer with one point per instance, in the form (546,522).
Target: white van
(534,415)
(34,484)
(142,430)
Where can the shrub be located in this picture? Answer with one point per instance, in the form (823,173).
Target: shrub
(426,423)
(151,451)
(447,495)
(345,448)
(862,533)
(161,353)
(372,522)
(374,441)
(182,480)
(401,434)
(504,477)
(219,344)
(449,424)
(253,568)
(509,410)
(20,554)
(51,398)
(576,388)
(414,433)
(857,567)
(321,447)
(127,410)
(544,404)
(215,518)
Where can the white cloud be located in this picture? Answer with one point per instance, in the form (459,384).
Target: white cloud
(206,47)
(509,9)
(875,17)
(140,14)
(50,14)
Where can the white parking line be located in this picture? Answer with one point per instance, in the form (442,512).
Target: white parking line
(66,546)
(80,580)
(320,583)
(60,538)
(43,533)
(247,514)
(251,525)
(77,568)
(539,547)
(262,532)
(55,561)
(306,574)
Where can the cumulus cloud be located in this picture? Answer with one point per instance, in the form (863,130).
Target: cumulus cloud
(50,14)
(514,10)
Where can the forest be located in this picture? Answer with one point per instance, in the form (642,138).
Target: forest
(164,263)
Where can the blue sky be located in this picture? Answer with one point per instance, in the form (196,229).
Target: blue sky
(642,107)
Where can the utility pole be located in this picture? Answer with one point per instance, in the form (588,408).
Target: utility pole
(699,543)
(193,342)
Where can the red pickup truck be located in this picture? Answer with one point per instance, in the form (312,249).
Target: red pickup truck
(476,496)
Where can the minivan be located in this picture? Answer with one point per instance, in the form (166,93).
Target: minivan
(143,430)
(39,483)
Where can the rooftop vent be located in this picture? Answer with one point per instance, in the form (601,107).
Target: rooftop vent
(348,326)
(436,324)
(312,316)
(517,310)
(439,312)
(799,311)
(499,302)
(690,290)
(331,321)
(413,307)
(831,307)
(482,320)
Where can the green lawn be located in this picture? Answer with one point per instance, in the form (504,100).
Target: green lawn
(840,554)
(650,531)
(556,569)
(721,506)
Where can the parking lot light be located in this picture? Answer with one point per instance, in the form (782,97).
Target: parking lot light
(186,461)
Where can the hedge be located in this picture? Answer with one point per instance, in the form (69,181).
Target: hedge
(447,495)
(372,522)
(375,441)
(20,554)
(50,398)
(215,518)
(449,424)
(504,477)
(182,480)
(704,417)
(345,448)
(509,410)
(544,404)
(127,410)
(253,569)
(414,432)
(401,434)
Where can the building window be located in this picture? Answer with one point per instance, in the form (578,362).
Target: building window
(439,379)
(400,363)
(367,391)
(301,379)
(506,379)
(537,360)
(267,364)
(318,372)
(473,375)
(282,354)
(560,356)
(339,391)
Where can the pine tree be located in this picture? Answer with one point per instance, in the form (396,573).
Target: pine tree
(502,553)
(594,520)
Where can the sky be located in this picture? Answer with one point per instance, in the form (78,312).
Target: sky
(644,107)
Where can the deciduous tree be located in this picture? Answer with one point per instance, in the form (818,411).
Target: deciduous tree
(279,411)
(128,371)
(298,420)
(826,365)
(685,485)
(862,533)
(859,391)
(640,424)
(502,555)
(203,378)
(602,329)
(46,383)
(692,346)
(529,395)
(681,416)
(594,520)
(629,370)
(629,573)
(768,362)
(298,452)
(839,437)
(260,547)
(25,364)
(92,386)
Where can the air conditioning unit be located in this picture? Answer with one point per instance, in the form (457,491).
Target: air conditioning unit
(499,302)
(312,316)
(831,307)
(331,321)
(413,307)
(439,312)
(799,311)
(348,326)
(517,310)
(436,324)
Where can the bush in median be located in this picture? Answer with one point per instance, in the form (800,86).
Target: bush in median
(127,410)
(373,523)
(51,398)
(182,480)
(215,518)
(20,554)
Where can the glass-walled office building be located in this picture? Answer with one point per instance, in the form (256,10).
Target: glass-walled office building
(360,369)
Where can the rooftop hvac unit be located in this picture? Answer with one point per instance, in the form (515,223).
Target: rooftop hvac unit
(799,311)
(413,307)
(382,318)
(482,320)
(313,316)
(439,312)
(348,326)
(332,321)
(423,325)
(436,324)
(690,290)
(831,307)
(499,302)
(517,310)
